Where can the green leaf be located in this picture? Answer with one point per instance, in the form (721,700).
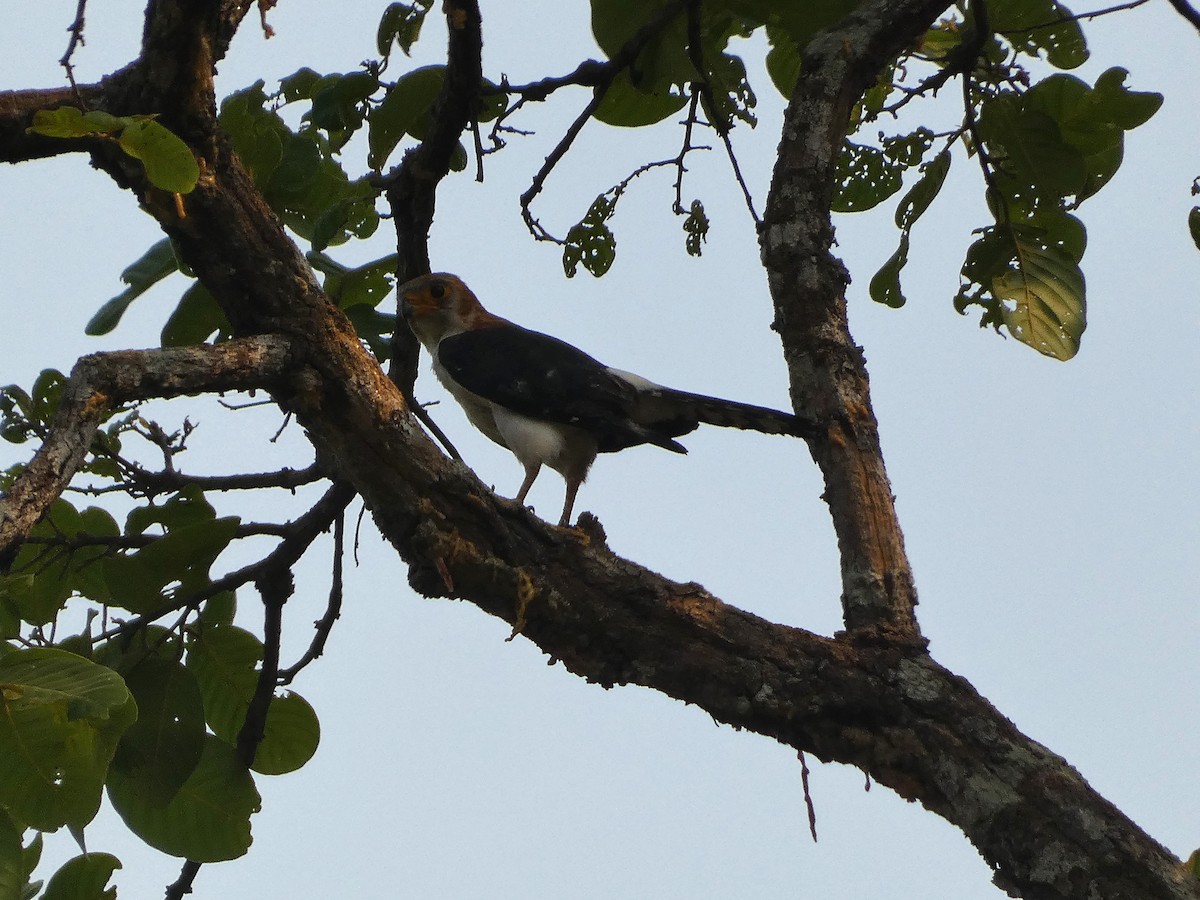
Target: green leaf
(84,878)
(195,319)
(291,736)
(125,652)
(208,820)
(188,507)
(783,61)
(1042,300)
(401,25)
(1027,145)
(733,97)
(182,555)
(405,109)
(913,205)
(62,718)
(44,577)
(340,102)
(162,749)
(219,609)
(375,328)
(885,284)
(258,134)
(1194,225)
(224,659)
(1023,24)
(169,162)
(365,285)
(69,122)
(865,178)
(663,61)
(1124,108)
(300,85)
(12,862)
(629,107)
(148,270)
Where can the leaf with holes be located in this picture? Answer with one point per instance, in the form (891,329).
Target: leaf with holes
(1042,299)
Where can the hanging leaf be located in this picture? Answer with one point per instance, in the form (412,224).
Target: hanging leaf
(1042,300)
(148,270)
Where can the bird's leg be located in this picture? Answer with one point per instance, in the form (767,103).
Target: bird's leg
(531,474)
(572,489)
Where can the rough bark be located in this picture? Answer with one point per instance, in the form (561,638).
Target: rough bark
(871,697)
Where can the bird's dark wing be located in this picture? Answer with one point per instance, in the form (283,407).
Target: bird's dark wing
(550,380)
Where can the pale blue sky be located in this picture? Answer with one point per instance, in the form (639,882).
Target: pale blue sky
(1049,509)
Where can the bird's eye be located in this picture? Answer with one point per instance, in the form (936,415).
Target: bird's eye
(437,290)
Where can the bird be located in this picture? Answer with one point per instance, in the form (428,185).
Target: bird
(547,401)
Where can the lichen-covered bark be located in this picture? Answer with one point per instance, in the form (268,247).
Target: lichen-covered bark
(871,697)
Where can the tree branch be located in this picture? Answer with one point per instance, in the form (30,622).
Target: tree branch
(828,373)
(411,188)
(16,115)
(99,384)
(1188,11)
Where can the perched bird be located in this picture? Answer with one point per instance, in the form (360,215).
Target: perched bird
(549,402)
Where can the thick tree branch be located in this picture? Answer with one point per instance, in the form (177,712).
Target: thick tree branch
(102,382)
(16,115)
(828,372)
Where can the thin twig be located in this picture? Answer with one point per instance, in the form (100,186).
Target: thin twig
(808,800)
(146,483)
(333,609)
(76,31)
(695,49)
(605,74)
(182,886)
(1079,17)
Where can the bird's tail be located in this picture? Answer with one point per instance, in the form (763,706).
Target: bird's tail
(732,414)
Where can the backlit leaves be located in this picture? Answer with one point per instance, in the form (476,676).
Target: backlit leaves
(169,163)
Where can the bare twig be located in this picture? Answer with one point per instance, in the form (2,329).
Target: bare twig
(333,609)
(76,32)
(604,75)
(1079,17)
(144,482)
(182,886)
(808,801)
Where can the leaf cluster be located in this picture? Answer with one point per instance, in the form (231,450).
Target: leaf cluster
(96,696)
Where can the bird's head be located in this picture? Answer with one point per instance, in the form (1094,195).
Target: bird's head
(439,305)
